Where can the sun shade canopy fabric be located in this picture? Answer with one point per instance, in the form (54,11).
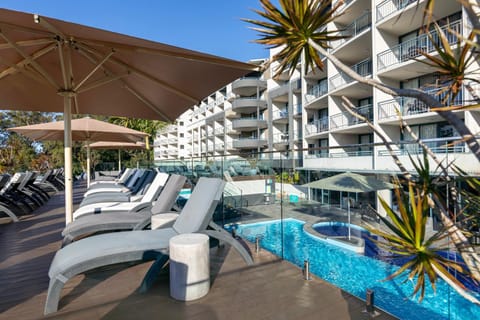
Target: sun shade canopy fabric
(117,145)
(84,129)
(44,60)
(350,182)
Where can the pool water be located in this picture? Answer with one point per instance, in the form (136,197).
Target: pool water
(356,273)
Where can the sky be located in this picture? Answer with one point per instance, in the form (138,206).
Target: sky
(210,26)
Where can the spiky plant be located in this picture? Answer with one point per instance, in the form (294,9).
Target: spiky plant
(407,238)
(451,64)
(293,26)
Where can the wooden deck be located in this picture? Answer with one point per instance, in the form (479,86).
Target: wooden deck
(271,289)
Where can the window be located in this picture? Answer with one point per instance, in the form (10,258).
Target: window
(182,134)
(182,146)
(365,140)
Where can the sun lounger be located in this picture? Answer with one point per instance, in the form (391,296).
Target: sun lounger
(124,206)
(119,247)
(149,192)
(125,220)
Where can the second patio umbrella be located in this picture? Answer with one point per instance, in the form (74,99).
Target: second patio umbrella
(84,129)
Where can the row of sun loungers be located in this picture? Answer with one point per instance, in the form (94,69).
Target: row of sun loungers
(89,242)
(24,192)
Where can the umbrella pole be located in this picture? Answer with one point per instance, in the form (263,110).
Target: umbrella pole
(67,114)
(119,160)
(348,205)
(88,164)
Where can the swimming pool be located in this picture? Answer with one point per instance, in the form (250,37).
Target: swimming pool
(355,273)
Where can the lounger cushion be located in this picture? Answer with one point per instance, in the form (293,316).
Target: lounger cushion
(120,246)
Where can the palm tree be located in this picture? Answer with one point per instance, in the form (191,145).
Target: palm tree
(293,27)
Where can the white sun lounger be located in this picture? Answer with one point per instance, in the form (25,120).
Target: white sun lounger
(122,220)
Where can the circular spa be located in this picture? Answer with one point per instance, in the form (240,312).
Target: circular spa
(341,234)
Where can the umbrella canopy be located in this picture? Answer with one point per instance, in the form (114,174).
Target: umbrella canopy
(57,66)
(83,129)
(350,182)
(45,60)
(111,145)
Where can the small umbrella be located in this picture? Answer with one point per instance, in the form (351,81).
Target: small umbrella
(84,129)
(57,66)
(350,182)
(117,145)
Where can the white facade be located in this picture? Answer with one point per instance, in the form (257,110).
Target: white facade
(255,114)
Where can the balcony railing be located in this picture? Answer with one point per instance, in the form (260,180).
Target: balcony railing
(360,24)
(437,145)
(353,153)
(279,114)
(413,48)
(345,119)
(363,68)
(407,106)
(317,126)
(318,90)
(389,7)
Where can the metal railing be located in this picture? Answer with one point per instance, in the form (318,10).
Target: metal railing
(360,24)
(345,119)
(317,126)
(407,106)
(319,89)
(413,48)
(363,68)
(436,145)
(389,7)
(279,114)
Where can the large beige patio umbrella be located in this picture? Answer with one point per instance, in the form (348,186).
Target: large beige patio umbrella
(52,65)
(83,129)
(111,145)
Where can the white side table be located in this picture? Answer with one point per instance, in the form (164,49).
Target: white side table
(163,220)
(189,266)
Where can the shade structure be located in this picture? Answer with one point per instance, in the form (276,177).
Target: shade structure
(111,145)
(83,129)
(57,66)
(350,182)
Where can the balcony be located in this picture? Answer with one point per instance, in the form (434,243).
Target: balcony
(317,126)
(280,93)
(445,149)
(407,106)
(280,140)
(389,7)
(351,31)
(317,91)
(345,119)
(248,86)
(249,124)
(280,116)
(363,68)
(249,143)
(248,105)
(411,49)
